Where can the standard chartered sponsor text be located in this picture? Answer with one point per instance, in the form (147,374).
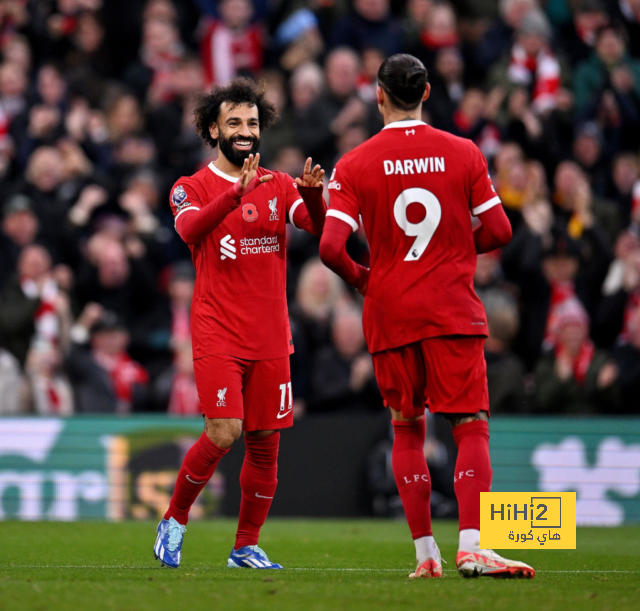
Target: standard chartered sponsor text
(256,246)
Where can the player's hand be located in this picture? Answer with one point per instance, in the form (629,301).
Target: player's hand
(248,180)
(311,178)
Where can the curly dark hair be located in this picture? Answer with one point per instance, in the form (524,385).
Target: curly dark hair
(237,92)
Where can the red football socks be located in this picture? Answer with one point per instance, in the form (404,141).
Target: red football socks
(258,480)
(197,468)
(412,475)
(473,470)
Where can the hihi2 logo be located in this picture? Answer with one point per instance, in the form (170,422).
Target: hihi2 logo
(528,520)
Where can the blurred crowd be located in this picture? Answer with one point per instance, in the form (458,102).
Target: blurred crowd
(96,101)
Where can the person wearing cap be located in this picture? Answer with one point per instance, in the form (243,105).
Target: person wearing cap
(531,64)
(105,378)
(19,229)
(588,145)
(573,376)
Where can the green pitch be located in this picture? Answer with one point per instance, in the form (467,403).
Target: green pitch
(332,564)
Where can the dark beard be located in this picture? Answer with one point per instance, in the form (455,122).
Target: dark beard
(235,156)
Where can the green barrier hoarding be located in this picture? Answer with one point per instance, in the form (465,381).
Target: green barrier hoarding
(122,468)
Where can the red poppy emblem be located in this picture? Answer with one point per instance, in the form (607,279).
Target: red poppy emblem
(249,213)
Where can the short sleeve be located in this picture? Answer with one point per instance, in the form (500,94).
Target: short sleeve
(293,198)
(343,203)
(183,197)
(483,194)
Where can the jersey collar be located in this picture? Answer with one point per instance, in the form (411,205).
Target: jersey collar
(403,124)
(220,173)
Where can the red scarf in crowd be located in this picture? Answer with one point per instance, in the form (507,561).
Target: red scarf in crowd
(226,53)
(124,373)
(542,71)
(581,362)
(439,42)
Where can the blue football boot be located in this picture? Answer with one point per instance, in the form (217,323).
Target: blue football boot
(250,557)
(169,543)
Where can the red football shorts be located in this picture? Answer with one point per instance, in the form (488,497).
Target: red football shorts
(447,374)
(256,392)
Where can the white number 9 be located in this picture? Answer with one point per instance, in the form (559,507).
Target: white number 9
(424,230)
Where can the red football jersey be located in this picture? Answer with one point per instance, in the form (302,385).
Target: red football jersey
(415,188)
(239,303)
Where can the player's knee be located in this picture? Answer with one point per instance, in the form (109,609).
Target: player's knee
(223,431)
(397,415)
(258,433)
(458,419)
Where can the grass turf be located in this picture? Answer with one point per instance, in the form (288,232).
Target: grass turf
(59,566)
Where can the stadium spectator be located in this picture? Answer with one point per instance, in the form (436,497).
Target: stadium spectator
(342,377)
(105,378)
(370,25)
(11,400)
(580,211)
(627,362)
(447,88)
(160,52)
(318,295)
(13,88)
(620,291)
(182,392)
(231,45)
(498,38)
(627,12)
(505,371)
(338,107)
(625,176)
(19,229)
(120,283)
(28,304)
(298,40)
(439,32)
(531,64)
(48,391)
(575,377)
(609,72)
(578,37)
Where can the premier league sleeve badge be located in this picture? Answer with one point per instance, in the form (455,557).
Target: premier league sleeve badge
(179,197)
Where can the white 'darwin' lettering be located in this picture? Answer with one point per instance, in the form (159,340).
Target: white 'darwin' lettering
(413,166)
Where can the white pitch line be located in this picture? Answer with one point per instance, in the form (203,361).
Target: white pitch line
(207,568)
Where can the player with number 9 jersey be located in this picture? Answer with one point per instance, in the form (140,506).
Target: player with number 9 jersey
(414,188)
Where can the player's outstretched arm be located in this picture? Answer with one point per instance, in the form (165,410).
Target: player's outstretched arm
(495,231)
(310,187)
(195,225)
(333,252)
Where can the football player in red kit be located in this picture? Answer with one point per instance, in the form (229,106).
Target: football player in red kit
(415,189)
(233,216)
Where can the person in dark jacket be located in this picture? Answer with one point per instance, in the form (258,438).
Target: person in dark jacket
(343,377)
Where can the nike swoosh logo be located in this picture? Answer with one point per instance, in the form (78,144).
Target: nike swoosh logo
(194,481)
(263,497)
(284,415)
